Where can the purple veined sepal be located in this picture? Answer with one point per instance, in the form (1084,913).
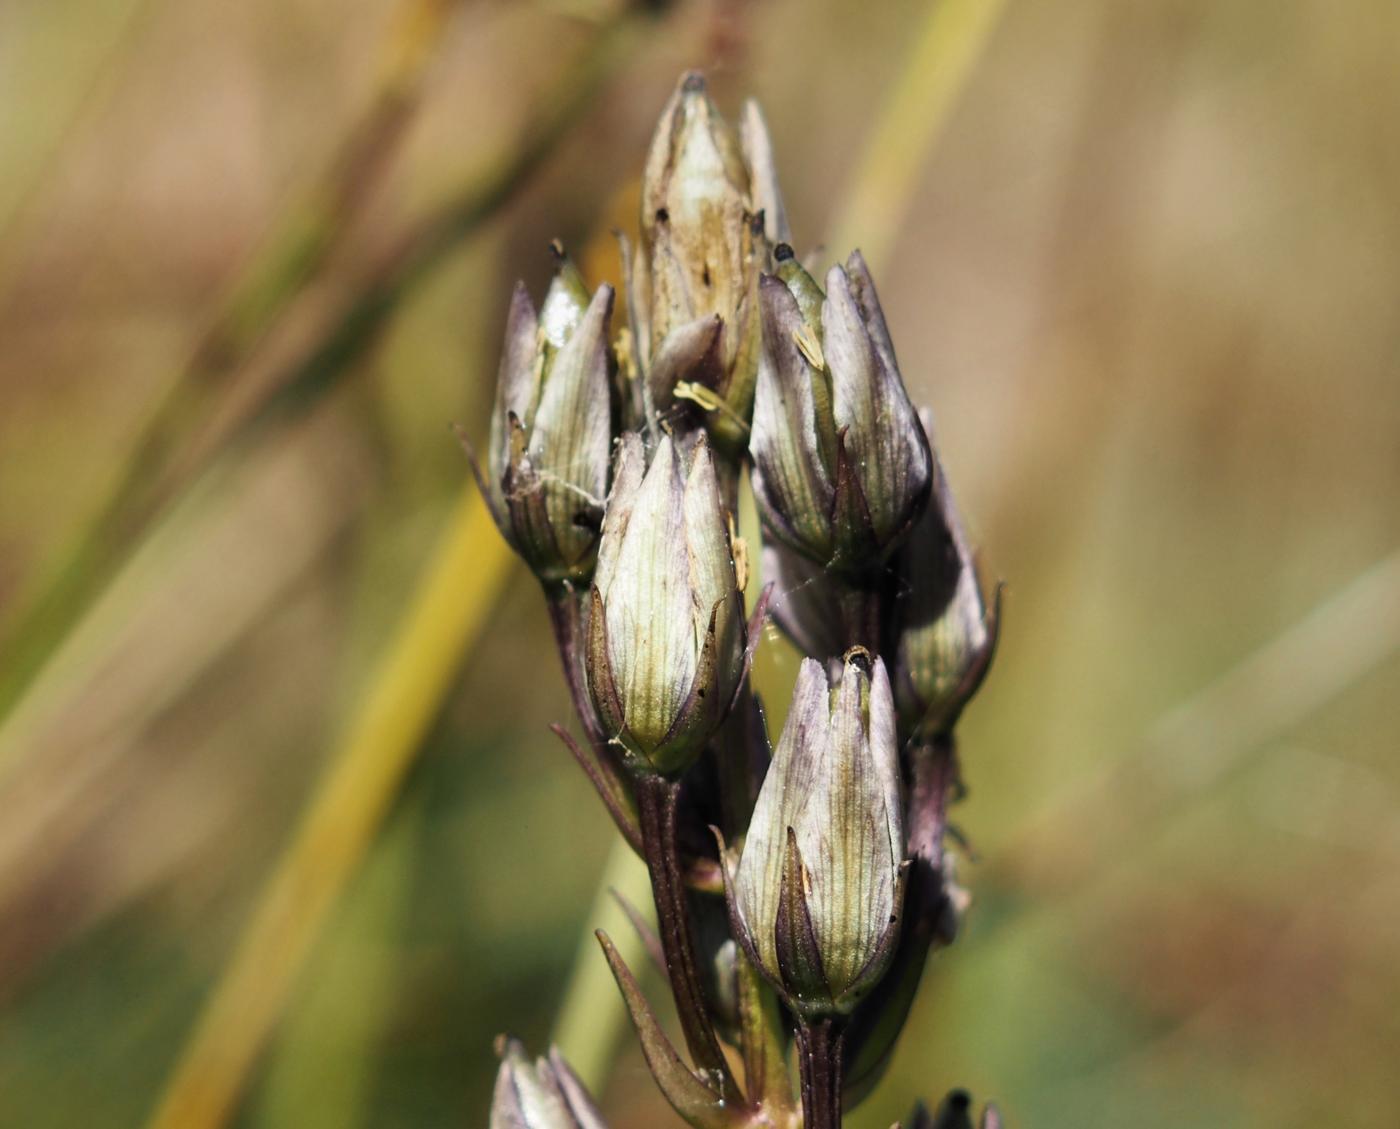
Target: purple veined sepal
(668,644)
(817,895)
(842,466)
(544,1094)
(946,632)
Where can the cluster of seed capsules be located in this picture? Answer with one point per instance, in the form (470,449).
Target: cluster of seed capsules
(799,888)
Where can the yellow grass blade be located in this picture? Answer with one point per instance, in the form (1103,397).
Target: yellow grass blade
(591,1019)
(448,611)
(949,45)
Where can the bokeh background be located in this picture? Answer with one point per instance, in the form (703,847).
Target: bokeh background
(1142,257)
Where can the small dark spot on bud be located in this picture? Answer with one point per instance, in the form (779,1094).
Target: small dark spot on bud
(959,1099)
(556,248)
(783,252)
(705,275)
(663,216)
(694,83)
(699,693)
(588,519)
(756,222)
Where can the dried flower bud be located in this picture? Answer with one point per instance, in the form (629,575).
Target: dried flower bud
(946,633)
(666,643)
(767,198)
(842,467)
(819,888)
(547,469)
(545,1094)
(694,283)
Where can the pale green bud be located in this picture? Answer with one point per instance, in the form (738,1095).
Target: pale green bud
(842,468)
(545,1094)
(820,882)
(946,634)
(666,635)
(551,428)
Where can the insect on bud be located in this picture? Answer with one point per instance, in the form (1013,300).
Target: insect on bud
(842,467)
(545,1094)
(666,634)
(551,428)
(946,634)
(820,883)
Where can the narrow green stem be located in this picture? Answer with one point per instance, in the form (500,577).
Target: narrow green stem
(764,1041)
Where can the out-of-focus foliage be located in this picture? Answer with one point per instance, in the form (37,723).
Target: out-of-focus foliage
(1149,285)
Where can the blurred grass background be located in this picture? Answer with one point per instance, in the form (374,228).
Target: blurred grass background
(254,259)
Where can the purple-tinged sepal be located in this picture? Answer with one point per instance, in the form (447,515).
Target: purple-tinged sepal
(667,641)
(842,467)
(947,632)
(818,892)
(698,1101)
(551,428)
(544,1094)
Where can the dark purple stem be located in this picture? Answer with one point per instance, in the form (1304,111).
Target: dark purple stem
(566,605)
(931,768)
(862,607)
(656,803)
(819,1064)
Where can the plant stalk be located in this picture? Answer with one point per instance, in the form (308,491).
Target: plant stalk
(656,801)
(565,605)
(819,1063)
(862,613)
(932,766)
